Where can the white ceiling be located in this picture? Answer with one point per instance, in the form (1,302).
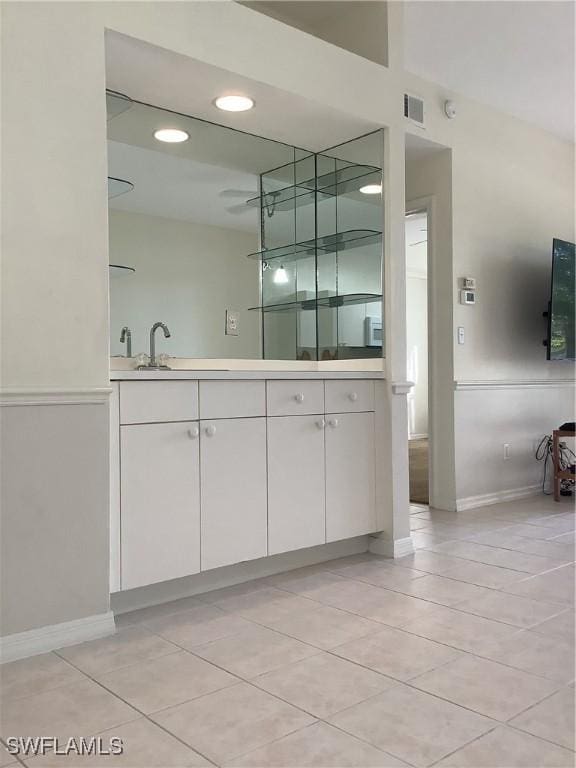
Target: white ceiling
(208,178)
(514,55)
(172,81)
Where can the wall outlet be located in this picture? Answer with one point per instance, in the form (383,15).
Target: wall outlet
(232,323)
(506,447)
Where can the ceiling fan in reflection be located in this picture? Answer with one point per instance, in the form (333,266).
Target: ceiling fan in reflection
(251,200)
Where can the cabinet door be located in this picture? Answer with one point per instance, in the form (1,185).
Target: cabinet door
(160,498)
(233,482)
(296,502)
(350,475)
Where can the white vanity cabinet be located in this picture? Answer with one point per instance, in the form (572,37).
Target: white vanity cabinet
(350,475)
(160,502)
(212,473)
(233,497)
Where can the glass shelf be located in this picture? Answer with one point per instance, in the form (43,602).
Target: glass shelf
(324,301)
(320,252)
(341,241)
(119,270)
(342,181)
(117,187)
(286,199)
(116,103)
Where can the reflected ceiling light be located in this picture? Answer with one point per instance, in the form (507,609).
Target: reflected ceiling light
(371,189)
(171,135)
(280,275)
(234,103)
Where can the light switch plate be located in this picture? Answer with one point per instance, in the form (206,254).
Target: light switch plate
(460,335)
(232,323)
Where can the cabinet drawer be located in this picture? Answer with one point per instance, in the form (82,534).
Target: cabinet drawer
(144,402)
(232,399)
(349,396)
(295,398)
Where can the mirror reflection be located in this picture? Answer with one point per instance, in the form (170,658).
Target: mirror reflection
(242,246)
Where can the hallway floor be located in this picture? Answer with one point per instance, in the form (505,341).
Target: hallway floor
(461,655)
(418,471)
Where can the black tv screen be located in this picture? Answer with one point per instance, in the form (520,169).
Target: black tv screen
(561,316)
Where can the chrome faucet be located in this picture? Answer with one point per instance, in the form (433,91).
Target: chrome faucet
(126,338)
(152,363)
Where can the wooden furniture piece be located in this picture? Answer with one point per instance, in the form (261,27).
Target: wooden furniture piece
(560,474)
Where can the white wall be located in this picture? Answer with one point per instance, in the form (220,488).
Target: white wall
(187,275)
(356,25)
(512,192)
(486,419)
(55,334)
(429,181)
(417,349)
(512,186)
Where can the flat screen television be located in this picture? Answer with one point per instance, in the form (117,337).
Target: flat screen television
(561,315)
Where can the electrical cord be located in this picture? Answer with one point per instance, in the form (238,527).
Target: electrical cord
(566,459)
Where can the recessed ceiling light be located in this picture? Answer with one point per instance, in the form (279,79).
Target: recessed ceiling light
(371,189)
(234,103)
(171,135)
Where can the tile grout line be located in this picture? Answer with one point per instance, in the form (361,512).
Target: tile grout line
(310,714)
(147,716)
(384,626)
(252,682)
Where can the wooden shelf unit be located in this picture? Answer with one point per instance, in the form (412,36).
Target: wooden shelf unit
(559,474)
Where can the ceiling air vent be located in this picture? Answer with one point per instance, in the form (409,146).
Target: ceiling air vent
(414,109)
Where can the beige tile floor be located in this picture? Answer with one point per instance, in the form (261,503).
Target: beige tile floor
(461,655)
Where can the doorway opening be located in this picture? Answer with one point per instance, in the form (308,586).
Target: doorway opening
(416,224)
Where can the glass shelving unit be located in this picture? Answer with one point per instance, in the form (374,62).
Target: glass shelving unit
(321,223)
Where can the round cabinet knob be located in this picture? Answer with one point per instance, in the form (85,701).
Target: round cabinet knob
(210,431)
(299,397)
(193,433)
(333,423)
(320,423)
(353,396)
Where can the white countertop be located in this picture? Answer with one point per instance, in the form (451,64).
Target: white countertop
(122,369)
(240,374)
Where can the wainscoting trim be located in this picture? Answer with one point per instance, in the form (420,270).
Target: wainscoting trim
(471,502)
(50,638)
(54,396)
(401,387)
(463,385)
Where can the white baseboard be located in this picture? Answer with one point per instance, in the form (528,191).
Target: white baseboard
(418,436)
(50,638)
(391,548)
(471,502)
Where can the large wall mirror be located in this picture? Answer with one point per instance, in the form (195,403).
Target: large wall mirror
(285,242)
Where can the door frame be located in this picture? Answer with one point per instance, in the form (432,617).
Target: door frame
(427,205)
